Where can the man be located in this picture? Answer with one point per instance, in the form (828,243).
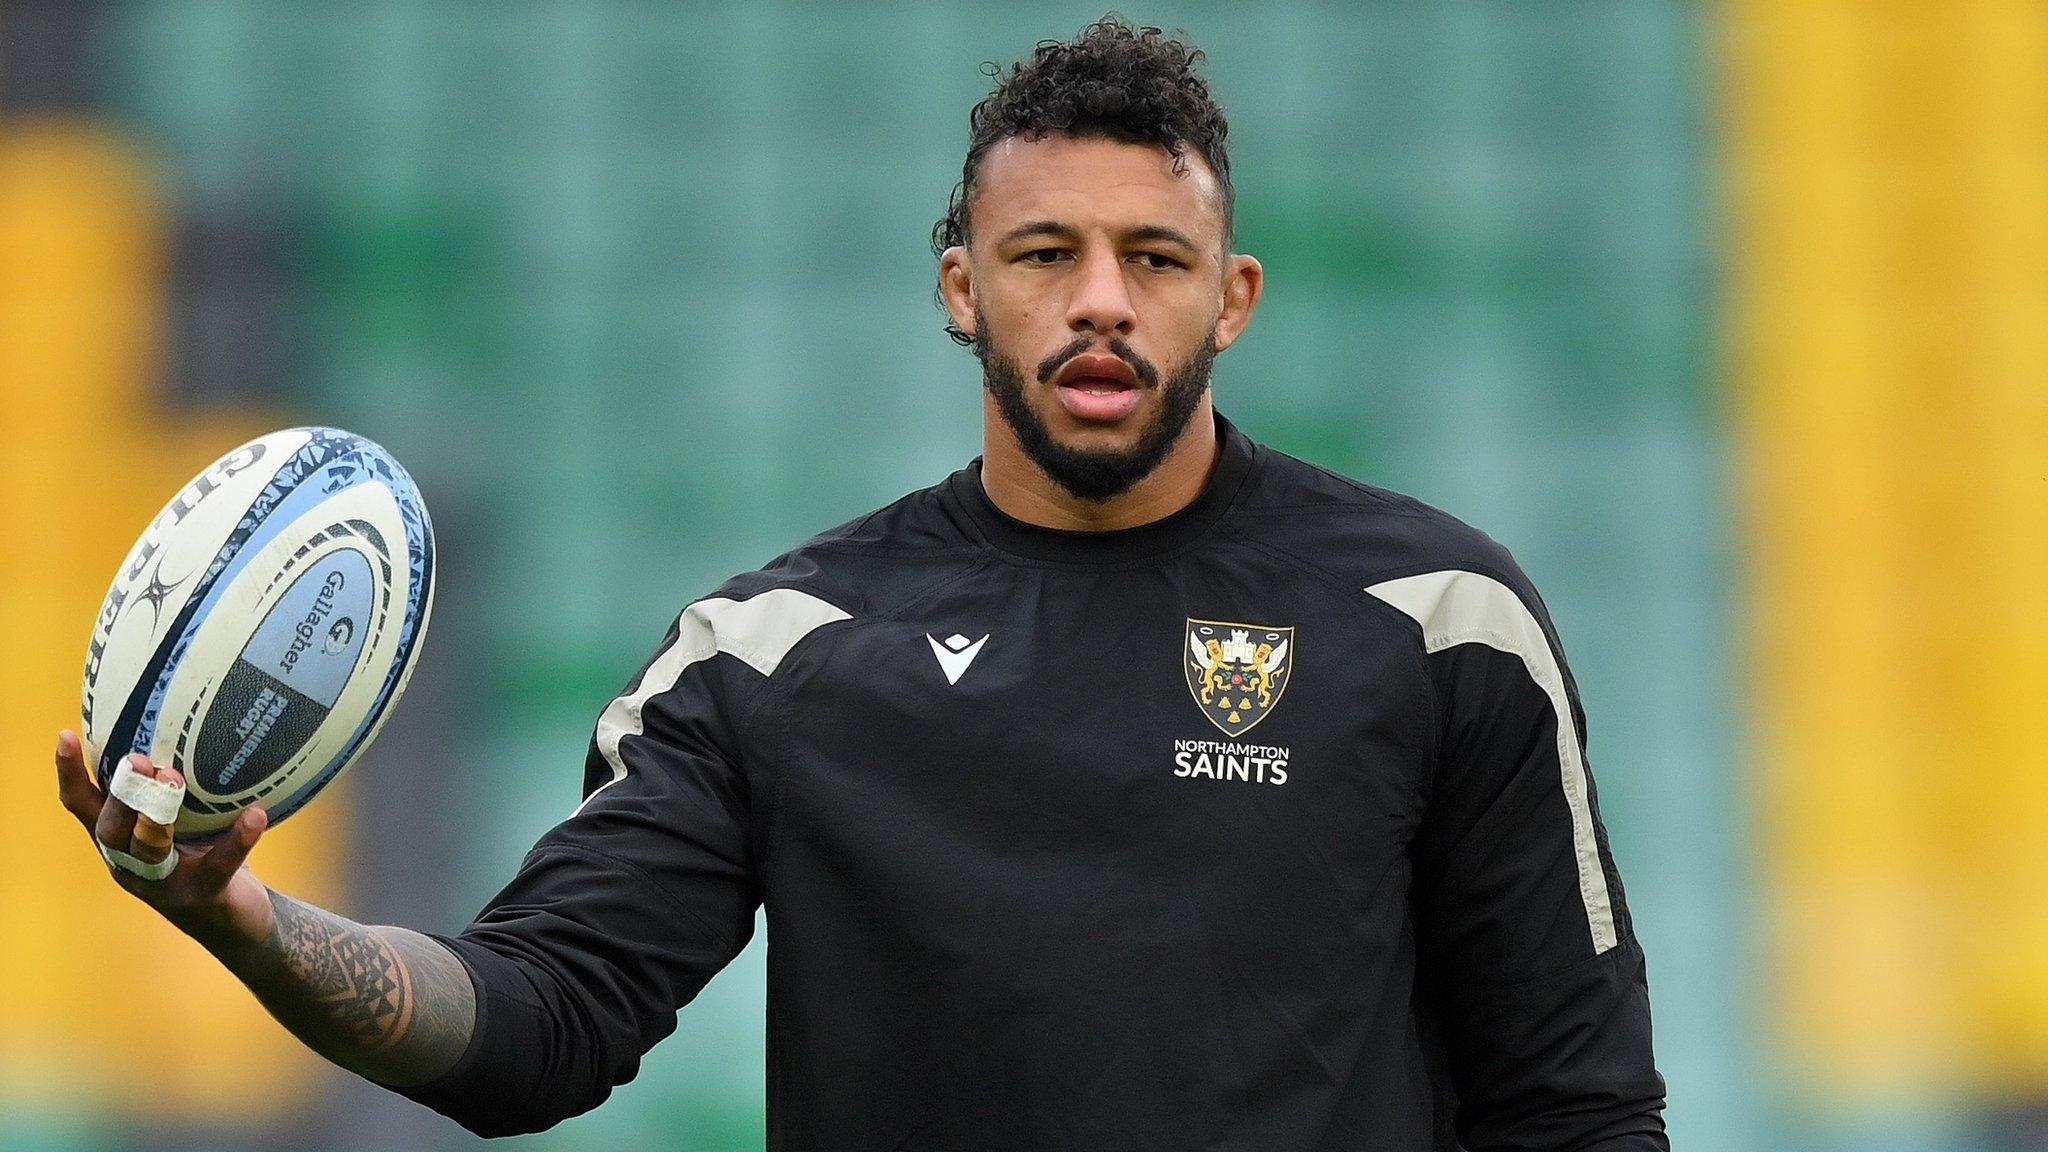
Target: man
(1137,786)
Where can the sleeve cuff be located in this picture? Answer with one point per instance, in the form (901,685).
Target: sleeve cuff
(472,1087)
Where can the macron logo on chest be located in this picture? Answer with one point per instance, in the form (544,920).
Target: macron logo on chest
(955,653)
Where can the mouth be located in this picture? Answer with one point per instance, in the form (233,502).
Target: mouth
(1098,387)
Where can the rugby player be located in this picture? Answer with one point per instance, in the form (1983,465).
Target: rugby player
(1135,786)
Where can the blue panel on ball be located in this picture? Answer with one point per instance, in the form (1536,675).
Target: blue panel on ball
(311,636)
(419,546)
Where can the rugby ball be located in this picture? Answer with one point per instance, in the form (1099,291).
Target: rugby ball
(261,629)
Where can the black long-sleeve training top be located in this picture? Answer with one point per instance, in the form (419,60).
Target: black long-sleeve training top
(1266,826)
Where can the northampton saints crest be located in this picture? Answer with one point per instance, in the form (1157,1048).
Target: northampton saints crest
(1237,671)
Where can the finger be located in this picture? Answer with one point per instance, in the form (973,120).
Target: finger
(116,827)
(226,855)
(75,789)
(153,841)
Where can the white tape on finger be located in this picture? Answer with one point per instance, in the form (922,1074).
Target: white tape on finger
(152,798)
(143,868)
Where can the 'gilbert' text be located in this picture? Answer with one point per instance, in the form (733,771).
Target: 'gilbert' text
(188,499)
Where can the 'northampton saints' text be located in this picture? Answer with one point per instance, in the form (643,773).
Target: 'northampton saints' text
(1219,760)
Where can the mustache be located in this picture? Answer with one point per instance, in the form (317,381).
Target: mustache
(1118,347)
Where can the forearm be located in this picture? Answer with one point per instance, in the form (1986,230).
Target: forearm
(387,1003)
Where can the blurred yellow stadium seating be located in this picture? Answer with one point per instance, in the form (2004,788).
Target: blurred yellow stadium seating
(1890,342)
(88,453)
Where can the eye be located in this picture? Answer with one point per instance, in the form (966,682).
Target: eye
(1158,261)
(1044,255)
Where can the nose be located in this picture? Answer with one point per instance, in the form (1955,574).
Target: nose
(1101,302)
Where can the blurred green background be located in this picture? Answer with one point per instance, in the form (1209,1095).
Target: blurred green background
(641,294)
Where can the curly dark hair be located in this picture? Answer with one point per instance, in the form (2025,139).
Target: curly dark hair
(1134,84)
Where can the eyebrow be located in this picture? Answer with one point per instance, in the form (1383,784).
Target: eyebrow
(1144,232)
(1138,234)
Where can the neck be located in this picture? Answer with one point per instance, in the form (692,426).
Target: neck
(1022,490)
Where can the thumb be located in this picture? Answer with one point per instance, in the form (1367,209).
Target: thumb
(227,853)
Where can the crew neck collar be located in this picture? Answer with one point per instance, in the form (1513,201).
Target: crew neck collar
(1167,534)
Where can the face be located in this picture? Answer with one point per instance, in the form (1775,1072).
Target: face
(1097,289)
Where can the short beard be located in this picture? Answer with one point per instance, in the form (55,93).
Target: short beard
(1095,476)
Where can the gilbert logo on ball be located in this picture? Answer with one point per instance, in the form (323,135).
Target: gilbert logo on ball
(263,626)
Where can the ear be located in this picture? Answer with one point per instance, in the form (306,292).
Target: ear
(1243,281)
(956,287)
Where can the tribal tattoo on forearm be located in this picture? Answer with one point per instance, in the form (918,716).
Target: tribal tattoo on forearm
(351,970)
(386,1002)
